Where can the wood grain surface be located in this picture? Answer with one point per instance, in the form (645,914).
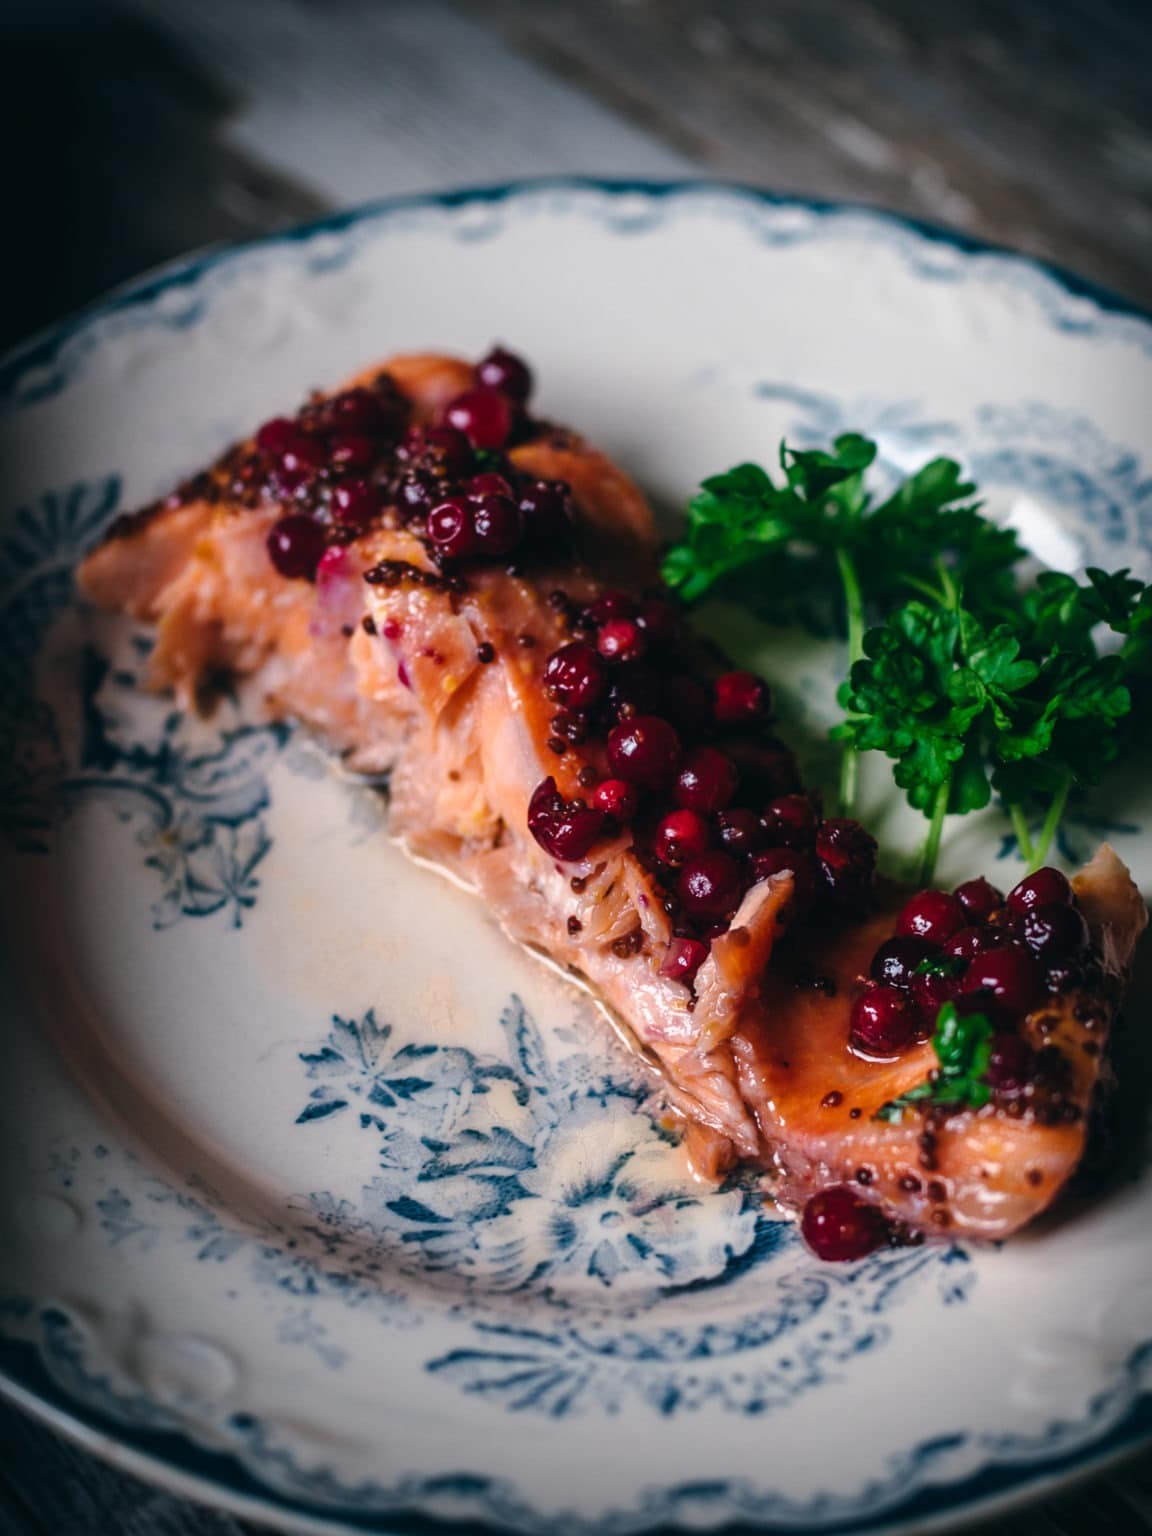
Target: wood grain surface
(143,129)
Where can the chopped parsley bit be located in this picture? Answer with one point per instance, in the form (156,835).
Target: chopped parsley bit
(940,965)
(963,1046)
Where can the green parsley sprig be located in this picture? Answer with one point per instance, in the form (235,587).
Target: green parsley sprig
(963,1046)
(970,680)
(820,528)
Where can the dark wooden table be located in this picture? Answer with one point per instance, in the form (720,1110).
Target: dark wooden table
(139,129)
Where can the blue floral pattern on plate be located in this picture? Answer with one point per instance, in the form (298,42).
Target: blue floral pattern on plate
(527,1243)
(499,1176)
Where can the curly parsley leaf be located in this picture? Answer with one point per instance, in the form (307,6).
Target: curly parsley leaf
(941,965)
(822,509)
(919,693)
(963,1046)
(814,474)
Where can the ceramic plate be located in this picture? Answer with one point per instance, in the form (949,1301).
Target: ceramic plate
(321,1200)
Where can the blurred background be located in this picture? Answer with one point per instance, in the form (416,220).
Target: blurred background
(145,128)
(139,130)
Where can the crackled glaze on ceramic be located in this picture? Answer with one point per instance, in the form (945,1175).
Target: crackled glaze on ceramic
(312,1174)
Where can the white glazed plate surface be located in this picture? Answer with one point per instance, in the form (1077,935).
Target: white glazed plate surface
(320,1199)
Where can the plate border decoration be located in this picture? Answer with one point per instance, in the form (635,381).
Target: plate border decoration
(156,1451)
(42,366)
(176,297)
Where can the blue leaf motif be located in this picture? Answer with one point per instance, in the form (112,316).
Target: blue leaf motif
(526,1047)
(323,1061)
(413,1210)
(321,1111)
(478,1151)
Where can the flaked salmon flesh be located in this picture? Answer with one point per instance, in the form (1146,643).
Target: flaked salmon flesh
(439,684)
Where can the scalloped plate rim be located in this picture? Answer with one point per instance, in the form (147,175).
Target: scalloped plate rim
(44,345)
(224,1483)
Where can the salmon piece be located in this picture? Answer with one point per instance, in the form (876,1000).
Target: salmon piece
(979,1173)
(441,671)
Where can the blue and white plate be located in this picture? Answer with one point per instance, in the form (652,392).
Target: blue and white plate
(322,1201)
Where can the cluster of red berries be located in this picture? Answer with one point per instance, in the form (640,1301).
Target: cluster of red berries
(986,954)
(691,770)
(983,953)
(346,460)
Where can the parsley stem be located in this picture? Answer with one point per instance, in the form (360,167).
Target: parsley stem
(855,601)
(1051,822)
(1023,834)
(935,832)
(948,586)
(926,589)
(854,610)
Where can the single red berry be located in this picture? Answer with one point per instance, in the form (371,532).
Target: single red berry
(645,750)
(485,417)
(931,915)
(498,525)
(707,781)
(1053,931)
(276,435)
(440,449)
(741,698)
(799,863)
(896,959)
(884,1021)
(1009,978)
(358,410)
(979,899)
(1046,886)
(611,605)
(847,857)
(740,831)
(973,941)
(351,450)
(296,546)
(303,455)
(504,371)
(1011,1063)
(930,990)
(547,510)
(660,622)
(790,819)
(839,1226)
(488,484)
(355,502)
(616,798)
(684,959)
(680,836)
(565,829)
(452,530)
(711,885)
(621,640)
(575,675)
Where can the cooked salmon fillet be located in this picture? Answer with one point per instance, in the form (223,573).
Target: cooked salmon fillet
(453,592)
